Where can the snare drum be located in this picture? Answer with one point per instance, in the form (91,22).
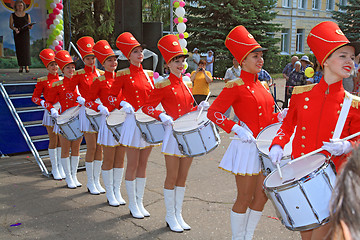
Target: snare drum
(302,196)
(151,129)
(263,143)
(115,121)
(195,137)
(69,123)
(94,118)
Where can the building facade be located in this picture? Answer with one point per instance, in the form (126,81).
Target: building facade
(298,17)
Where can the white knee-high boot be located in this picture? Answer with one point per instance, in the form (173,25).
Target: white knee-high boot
(108,177)
(54,164)
(169,197)
(97,171)
(60,166)
(179,199)
(67,168)
(238,224)
(131,192)
(140,188)
(90,178)
(252,221)
(118,174)
(74,168)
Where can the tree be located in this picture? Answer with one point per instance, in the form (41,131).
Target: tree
(211,21)
(156,11)
(349,19)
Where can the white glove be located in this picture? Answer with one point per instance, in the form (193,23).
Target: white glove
(54,113)
(42,102)
(276,153)
(204,105)
(166,119)
(80,100)
(103,110)
(282,114)
(127,107)
(243,134)
(337,147)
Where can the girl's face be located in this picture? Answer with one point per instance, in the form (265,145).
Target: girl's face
(253,62)
(177,65)
(53,68)
(69,70)
(136,56)
(110,64)
(341,62)
(89,61)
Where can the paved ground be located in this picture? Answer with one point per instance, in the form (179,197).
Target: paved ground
(43,208)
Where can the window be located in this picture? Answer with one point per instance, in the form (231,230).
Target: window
(300,40)
(302,4)
(330,4)
(342,3)
(316,4)
(285,40)
(286,3)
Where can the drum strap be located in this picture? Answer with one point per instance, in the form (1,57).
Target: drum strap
(190,93)
(97,72)
(343,115)
(148,78)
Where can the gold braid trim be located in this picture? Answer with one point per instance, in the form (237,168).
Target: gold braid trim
(149,72)
(355,102)
(163,83)
(80,71)
(58,83)
(123,72)
(101,78)
(265,85)
(302,89)
(41,79)
(234,83)
(101,72)
(188,84)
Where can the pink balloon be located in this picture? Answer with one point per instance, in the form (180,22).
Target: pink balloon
(49,21)
(58,48)
(52,16)
(184,70)
(184,20)
(61,43)
(176,20)
(181,35)
(182,4)
(59,6)
(156,75)
(188,75)
(56,11)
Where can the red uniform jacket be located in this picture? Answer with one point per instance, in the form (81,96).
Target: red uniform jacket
(83,78)
(43,86)
(314,110)
(101,89)
(252,103)
(134,85)
(174,96)
(62,91)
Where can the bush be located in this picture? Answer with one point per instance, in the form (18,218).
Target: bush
(6,63)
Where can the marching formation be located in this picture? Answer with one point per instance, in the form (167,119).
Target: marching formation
(275,154)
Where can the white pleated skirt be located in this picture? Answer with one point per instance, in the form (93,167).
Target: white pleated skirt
(130,134)
(85,125)
(170,146)
(105,136)
(47,120)
(241,159)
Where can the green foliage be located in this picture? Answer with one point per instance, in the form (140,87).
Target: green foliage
(349,19)
(156,11)
(11,62)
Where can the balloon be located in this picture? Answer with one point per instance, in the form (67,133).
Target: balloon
(52,47)
(188,75)
(58,48)
(59,6)
(180,19)
(181,36)
(183,42)
(55,42)
(61,22)
(175,1)
(49,21)
(309,72)
(56,32)
(180,12)
(182,4)
(59,38)
(186,35)
(61,43)
(185,20)
(185,50)
(156,75)
(186,66)
(181,27)
(53,26)
(56,21)
(59,17)
(176,20)
(62,33)
(57,1)
(56,11)
(53,5)
(176,4)
(60,27)
(52,16)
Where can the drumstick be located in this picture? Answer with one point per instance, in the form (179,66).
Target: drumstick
(320,149)
(207,98)
(279,170)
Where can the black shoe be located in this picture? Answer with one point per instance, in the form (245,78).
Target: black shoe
(21,70)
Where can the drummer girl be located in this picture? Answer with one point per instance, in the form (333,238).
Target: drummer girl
(135,84)
(67,97)
(313,105)
(254,106)
(43,86)
(176,100)
(83,79)
(114,154)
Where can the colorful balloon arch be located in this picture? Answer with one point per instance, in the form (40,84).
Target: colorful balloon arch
(180,20)
(55,24)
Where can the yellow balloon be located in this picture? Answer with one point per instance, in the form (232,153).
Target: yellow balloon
(309,72)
